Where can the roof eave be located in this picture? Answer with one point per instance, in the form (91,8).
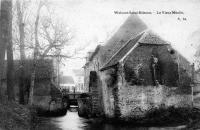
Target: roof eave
(108,67)
(137,43)
(141,43)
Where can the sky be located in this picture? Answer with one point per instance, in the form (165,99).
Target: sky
(93,22)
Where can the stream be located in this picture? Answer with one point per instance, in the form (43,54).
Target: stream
(71,121)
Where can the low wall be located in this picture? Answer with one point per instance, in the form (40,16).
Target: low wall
(135,101)
(42,101)
(45,103)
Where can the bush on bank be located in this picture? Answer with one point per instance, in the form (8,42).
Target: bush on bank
(15,117)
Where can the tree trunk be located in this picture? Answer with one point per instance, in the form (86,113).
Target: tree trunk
(21,84)
(10,67)
(3,33)
(36,53)
(10,71)
(32,87)
(22,54)
(6,41)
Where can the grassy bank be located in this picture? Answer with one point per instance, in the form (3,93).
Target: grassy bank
(14,116)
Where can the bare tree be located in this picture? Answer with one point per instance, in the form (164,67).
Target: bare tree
(44,37)
(55,35)
(23,39)
(51,37)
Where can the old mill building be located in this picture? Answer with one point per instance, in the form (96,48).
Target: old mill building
(136,71)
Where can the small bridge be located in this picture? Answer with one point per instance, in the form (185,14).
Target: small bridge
(72,98)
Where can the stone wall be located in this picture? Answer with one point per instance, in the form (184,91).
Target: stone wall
(123,99)
(42,101)
(107,94)
(84,107)
(138,66)
(47,96)
(137,100)
(126,101)
(42,96)
(196,90)
(121,96)
(196,95)
(94,66)
(42,88)
(95,89)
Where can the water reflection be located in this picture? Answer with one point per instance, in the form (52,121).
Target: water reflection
(72,121)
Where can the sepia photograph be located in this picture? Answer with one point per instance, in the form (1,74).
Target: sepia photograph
(99,65)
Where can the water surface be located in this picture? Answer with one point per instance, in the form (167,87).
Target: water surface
(71,121)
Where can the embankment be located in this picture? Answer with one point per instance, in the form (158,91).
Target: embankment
(15,117)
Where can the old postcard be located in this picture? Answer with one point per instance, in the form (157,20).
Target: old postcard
(99,64)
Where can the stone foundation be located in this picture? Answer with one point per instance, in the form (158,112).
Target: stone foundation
(84,107)
(136,101)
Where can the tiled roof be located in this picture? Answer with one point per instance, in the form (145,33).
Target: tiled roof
(118,55)
(151,37)
(121,43)
(130,28)
(146,37)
